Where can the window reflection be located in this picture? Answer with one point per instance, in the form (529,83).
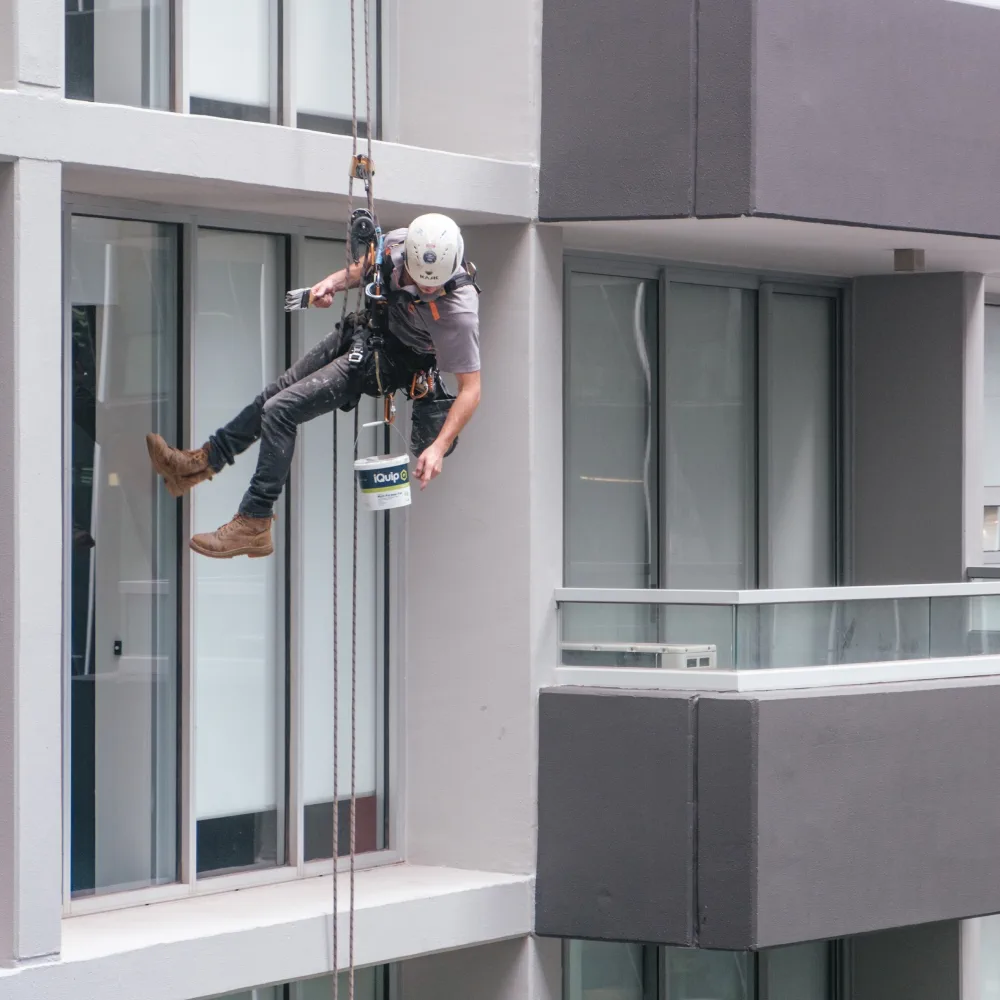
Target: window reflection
(123,577)
(118,52)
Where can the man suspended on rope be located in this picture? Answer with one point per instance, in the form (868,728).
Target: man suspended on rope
(430,321)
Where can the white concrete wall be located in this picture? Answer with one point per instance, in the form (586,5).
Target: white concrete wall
(30,560)
(529,969)
(485,553)
(31,45)
(464,76)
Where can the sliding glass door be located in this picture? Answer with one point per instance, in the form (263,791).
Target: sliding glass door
(701,430)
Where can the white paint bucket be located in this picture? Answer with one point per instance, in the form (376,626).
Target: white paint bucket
(384,481)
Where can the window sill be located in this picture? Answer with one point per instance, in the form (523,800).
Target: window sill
(226,942)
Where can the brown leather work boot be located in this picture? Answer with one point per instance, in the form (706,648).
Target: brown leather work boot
(242,536)
(181,470)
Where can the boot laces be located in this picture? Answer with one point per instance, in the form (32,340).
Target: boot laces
(239,521)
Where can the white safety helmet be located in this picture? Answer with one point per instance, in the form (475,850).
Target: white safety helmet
(434,249)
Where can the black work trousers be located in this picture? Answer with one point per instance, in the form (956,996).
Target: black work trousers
(319,382)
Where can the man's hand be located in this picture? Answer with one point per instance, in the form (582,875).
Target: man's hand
(429,464)
(324,291)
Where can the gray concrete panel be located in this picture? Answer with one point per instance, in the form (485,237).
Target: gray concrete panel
(726,793)
(879,112)
(615,815)
(910,963)
(724,176)
(873,810)
(914,339)
(618,91)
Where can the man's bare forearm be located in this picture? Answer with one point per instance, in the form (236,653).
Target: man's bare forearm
(348,277)
(322,293)
(459,415)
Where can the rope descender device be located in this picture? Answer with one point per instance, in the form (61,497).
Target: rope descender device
(362,168)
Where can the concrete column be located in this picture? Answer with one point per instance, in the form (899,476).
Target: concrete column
(31,539)
(32,47)
(484,553)
(917,414)
(527,969)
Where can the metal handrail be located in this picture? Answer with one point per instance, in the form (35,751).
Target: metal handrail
(800,595)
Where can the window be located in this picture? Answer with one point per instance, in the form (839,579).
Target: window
(232,58)
(991,434)
(199,692)
(609,970)
(986,932)
(701,431)
(232,64)
(369,984)
(316,622)
(240,661)
(322,64)
(603,970)
(123,580)
(118,51)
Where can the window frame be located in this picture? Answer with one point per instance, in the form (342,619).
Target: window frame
(283,106)
(991,494)
(389,762)
(654,962)
(764,284)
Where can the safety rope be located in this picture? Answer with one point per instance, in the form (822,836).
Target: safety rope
(354,558)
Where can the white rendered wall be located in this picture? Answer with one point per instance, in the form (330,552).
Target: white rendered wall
(526,969)
(31,531)
(484,554)
(31,45)
(464,78)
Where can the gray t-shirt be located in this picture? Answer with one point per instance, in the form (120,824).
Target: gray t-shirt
(446,325)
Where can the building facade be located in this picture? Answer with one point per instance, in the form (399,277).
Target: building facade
(681,682)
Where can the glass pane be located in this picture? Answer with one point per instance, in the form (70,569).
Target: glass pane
(366,986)
(611,439)
(798,972)
(991,528)
(671,636)
(237,611)
(315,621)
(118,52)
(710,429)
(604,970)
(322,64)
(123,581)
(232,58)
(989,952)
(965,626)
(991,420)
(263,993)
(799,442)
(694,974)
(832,632)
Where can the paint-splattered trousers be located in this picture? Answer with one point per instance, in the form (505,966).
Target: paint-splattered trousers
(321,381)
(318,383)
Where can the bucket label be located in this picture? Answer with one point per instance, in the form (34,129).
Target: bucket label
(386,486)
(381,480)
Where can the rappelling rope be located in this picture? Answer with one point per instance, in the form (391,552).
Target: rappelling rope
(354,564)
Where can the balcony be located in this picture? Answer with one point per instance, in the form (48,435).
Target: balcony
(753,640)
(838,744)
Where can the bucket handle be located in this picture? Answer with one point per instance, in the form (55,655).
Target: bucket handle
(379,423)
